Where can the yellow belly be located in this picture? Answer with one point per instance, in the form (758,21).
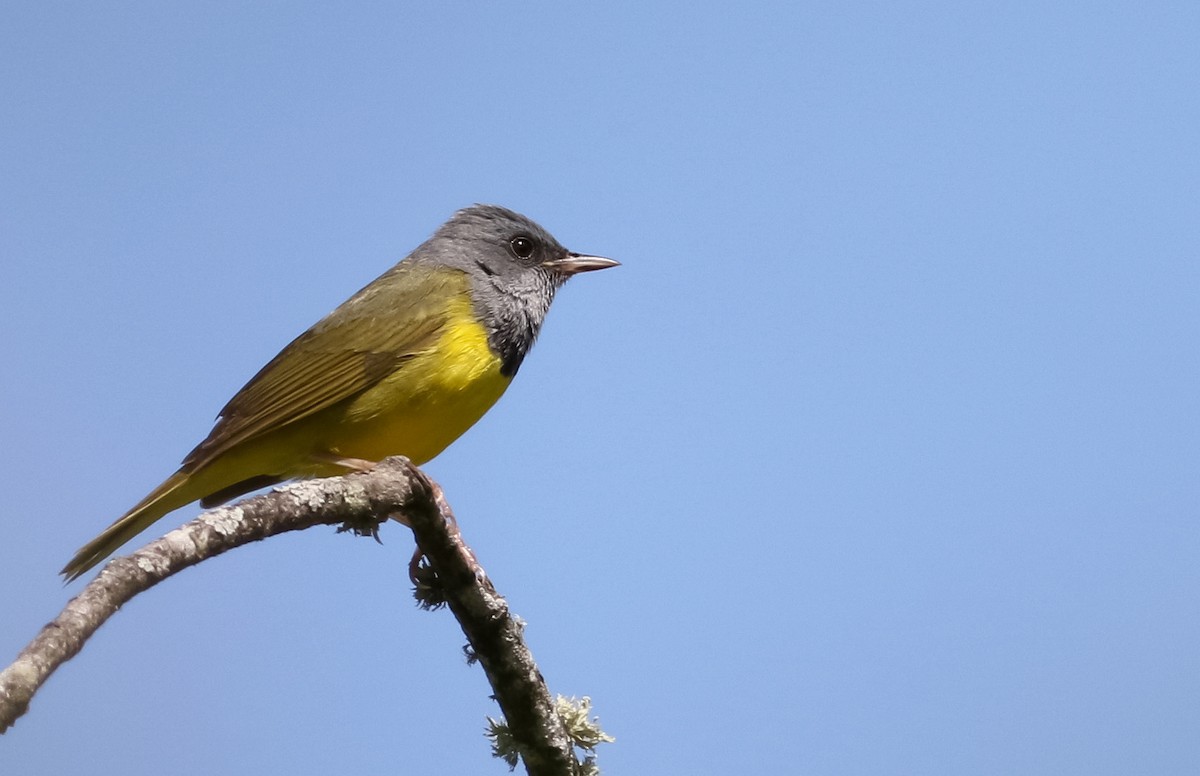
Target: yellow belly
(426,404)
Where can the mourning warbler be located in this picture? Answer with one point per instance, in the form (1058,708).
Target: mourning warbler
(403,367)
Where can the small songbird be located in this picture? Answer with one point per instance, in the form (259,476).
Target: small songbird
(403,367)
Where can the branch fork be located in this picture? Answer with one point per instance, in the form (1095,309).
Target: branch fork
(443,569)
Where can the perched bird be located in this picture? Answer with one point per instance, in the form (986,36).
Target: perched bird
(403,367)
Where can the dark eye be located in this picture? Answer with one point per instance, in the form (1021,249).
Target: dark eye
(521,247)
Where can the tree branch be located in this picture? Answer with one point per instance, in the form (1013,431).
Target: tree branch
(495,636)
(360,501)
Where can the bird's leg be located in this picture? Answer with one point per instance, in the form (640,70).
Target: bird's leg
(439,498)
(415,572)
(352,464)
(415,575)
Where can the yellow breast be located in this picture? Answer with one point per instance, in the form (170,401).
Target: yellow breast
(430,401)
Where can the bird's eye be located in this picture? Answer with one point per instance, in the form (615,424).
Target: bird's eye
(521,247)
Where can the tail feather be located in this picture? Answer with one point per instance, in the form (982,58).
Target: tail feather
(178,490)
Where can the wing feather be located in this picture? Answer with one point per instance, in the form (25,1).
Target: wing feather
(367,338)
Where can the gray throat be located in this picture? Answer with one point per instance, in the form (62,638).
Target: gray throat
(514,314)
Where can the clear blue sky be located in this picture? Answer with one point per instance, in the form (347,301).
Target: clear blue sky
(878,455)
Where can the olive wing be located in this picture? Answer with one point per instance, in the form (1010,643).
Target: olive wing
(367,338)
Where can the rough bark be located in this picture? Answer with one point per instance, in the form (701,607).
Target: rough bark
(360,501)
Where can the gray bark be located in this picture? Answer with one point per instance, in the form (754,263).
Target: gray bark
(360,501)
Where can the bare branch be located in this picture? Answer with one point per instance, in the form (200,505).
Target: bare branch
(495,636)
(360,501)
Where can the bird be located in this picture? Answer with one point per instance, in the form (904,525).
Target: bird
(403,367)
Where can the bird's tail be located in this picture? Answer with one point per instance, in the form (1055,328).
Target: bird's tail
(179,489)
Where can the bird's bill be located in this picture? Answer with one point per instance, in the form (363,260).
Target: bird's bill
(574,263)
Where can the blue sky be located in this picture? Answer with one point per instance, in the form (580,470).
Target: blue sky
(877,455)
